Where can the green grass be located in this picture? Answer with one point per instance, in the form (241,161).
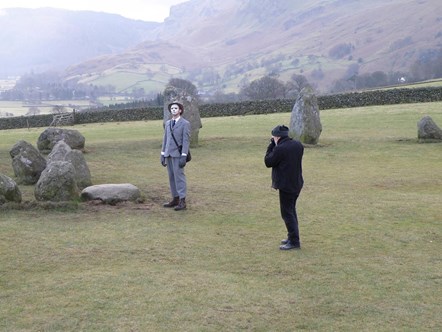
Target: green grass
(126,80)
(370,222)
(431,83)
(20,108)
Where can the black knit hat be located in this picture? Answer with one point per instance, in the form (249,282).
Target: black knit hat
(181,106)
(280,131)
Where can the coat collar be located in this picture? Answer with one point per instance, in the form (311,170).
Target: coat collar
(283,139)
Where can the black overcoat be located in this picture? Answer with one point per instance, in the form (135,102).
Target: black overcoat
(285,159)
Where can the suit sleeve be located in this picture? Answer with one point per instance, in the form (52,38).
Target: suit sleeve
(163,146)
(186,138)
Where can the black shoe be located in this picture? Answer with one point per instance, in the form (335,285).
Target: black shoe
(174,202)
(289,245)
(181,205)
(284,241)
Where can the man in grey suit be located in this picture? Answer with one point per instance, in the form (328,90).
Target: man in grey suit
(174,151)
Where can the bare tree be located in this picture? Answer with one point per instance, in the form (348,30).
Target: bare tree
(58,109)
(184,85)
(299,82)
(33,110)
(264,88)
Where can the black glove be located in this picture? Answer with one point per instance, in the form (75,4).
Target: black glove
(163,161)
(271,145)
(182,162)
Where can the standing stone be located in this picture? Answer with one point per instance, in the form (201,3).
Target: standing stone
(57,183)
(59,152)
(427,129)
(27,162)
(184,92)
(305,124)
(82,172)
(62,152)
(9,191)
(48,138)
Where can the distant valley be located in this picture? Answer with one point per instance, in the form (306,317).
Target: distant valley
(222,45)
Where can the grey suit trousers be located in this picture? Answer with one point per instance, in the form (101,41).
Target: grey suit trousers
(177,178)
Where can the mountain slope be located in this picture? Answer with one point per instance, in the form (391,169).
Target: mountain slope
(43,39)
(228,43)
(221,45)
(389,33)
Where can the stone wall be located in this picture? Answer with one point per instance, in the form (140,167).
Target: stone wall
(140,114)
(381,97)
(32,121)
(354,99)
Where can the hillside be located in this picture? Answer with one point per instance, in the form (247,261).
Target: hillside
(220,45)
(52,39)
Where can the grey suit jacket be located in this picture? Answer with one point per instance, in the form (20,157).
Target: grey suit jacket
(181,131)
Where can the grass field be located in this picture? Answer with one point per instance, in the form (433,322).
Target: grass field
(370,222)
(20,108)
(424,84)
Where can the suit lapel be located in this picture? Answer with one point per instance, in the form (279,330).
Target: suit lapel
(177,125)
(172,130)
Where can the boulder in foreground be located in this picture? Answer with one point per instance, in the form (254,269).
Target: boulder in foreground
(111,193)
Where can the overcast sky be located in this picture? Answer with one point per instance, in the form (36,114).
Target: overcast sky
(146,10)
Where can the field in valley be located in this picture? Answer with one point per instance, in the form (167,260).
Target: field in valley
(20,108)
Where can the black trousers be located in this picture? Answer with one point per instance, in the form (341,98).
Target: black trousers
(287,203)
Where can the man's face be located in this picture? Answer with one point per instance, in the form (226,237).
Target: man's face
(174,109)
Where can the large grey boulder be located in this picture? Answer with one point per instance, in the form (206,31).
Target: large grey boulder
(57,183)
(9,191)
(27,162)
(59,152)
(111,193)
(305,123)
(49,137)
(184,92)
(82,172)
(62,152)
(427,129)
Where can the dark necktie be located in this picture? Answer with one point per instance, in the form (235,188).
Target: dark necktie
(173,123)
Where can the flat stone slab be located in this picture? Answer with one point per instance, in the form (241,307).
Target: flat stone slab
(111,193)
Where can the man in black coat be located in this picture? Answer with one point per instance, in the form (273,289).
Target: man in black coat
(284,156)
